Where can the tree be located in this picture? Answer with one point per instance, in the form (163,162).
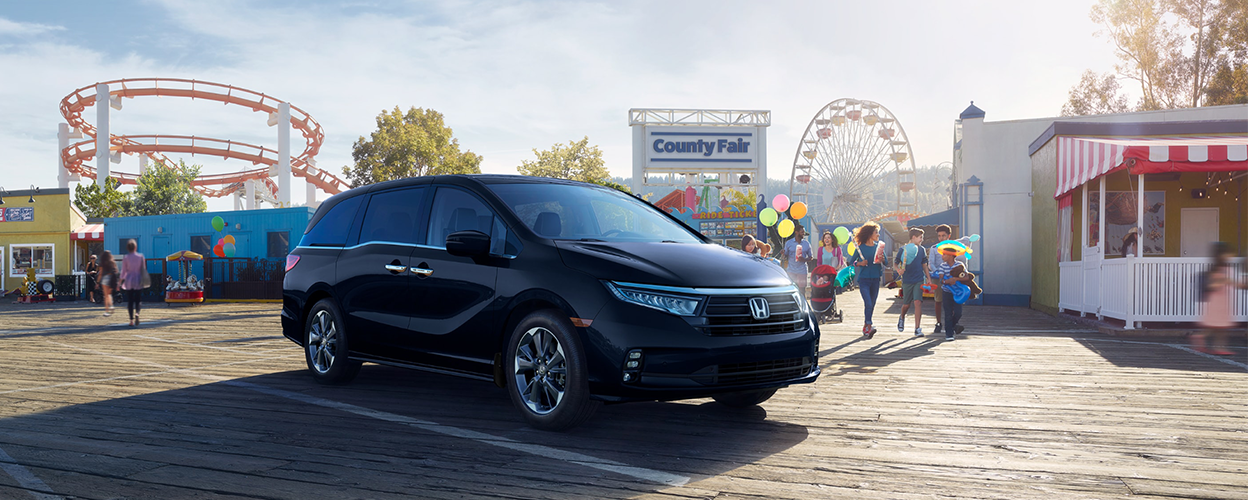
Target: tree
(409,144)
(162,190)
(108,202)
(1228,86)
(1095,95)
(577,161)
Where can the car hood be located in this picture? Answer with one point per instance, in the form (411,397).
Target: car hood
(695,265)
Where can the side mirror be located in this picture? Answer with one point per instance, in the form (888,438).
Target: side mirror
(468,243)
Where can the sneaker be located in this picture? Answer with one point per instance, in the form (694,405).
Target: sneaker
(918,332)
(939,327)
(949,338)
(959,329)
(872,332)
(866,329)
(901,324)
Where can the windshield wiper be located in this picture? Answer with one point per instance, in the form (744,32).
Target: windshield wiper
(669,241)
(593,240)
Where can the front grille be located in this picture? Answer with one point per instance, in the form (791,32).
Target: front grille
(755,372)
(729,315)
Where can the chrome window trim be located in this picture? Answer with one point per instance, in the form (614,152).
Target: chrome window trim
(710,291)
(410,245)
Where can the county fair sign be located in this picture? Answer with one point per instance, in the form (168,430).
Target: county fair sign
(734,148)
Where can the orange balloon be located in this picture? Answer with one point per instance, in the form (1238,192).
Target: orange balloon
(229,238)
(798,210)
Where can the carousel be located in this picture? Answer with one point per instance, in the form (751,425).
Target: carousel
(188,289)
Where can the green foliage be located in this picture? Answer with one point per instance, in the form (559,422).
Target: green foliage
(108,202)
(411,144)
(1095,95)
(163,190)
(577,161)
(1228,86)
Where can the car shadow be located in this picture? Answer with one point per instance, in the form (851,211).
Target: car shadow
(388,434)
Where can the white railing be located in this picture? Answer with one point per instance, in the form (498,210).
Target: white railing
(1070,284)
(1159,289)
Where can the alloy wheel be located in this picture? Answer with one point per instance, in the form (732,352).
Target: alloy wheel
(541,370)
(323,341)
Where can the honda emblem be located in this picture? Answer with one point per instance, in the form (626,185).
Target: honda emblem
(759,308)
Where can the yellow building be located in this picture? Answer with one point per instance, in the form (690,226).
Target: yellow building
(36,228)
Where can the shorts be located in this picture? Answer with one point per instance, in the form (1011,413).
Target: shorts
(911,292)
(936,286)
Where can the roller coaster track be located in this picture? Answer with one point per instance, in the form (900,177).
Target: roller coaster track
(76,155)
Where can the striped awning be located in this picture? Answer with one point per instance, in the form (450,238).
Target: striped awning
(1081,159)
(88,232)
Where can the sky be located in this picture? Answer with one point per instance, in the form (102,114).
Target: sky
(511,77)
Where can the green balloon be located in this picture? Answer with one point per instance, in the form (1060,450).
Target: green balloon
(218,223)
(841,234)
(768,216)
(228,249)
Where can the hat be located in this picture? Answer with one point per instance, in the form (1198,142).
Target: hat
(952,247)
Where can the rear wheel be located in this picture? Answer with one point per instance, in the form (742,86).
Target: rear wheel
(744,399)
(325,345)
(546,373)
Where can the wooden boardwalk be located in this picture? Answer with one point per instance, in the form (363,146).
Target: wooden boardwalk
(211,402)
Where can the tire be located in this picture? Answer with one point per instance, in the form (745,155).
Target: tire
(325,345)
(546,373)
(744,399)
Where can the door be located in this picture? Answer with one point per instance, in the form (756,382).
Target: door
(1198,229)
(375,280)
(452,317)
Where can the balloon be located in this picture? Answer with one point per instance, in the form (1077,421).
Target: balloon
(845,275)
(218,223)
(218,251)
(780,202)
(785,228)
(852,248)
(228,249)
(768,217)
(229,238)
(798,210)
(974,238)
(842,235)
(960,292)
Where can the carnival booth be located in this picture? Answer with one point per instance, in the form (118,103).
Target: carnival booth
(1136,216)
(188,288)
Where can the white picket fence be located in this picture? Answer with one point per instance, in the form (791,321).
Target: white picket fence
(1139,289)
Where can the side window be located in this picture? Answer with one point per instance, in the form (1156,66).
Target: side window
(332,228)
(278,244)
(456,210)
(200,245)
(393,216)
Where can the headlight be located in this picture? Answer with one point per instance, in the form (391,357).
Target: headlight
(802,304)
(676,304)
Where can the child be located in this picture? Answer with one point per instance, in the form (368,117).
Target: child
(944,271)
(1219,284)
(911,263)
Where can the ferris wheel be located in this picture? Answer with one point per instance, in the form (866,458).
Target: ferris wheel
(854,161)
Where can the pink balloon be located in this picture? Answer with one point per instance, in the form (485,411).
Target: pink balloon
(780,202)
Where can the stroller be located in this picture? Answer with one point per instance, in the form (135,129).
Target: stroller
(823,294)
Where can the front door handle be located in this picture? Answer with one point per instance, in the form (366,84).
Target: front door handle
(395,268)
(422,271)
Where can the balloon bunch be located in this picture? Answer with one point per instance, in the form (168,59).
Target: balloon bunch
(225,245)
(771,216)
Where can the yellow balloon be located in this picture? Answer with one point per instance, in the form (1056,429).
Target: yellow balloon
(229,238)
(852,248)
(785,228)
(798,210)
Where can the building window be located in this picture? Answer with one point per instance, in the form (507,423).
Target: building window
(279,244)
(40,257)
(201,245)
(121,245)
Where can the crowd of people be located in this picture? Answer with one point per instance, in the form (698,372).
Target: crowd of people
(942,268)
(104,279)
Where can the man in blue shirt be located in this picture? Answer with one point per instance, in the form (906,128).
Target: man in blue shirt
(798,253)
(911,263)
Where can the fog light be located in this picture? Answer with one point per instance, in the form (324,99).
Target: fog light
(628,377)
(630,364)
(634,355)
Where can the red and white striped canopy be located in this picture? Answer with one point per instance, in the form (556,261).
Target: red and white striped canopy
(89,232)
(1081,159)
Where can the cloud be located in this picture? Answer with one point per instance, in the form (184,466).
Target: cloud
(18,29)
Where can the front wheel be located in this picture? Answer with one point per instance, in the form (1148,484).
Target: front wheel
(546,373)
(744,399)
(325,346)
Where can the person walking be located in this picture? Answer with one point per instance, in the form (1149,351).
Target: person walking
(869,259)
(945,272)
(92,272)
(108,280)
(911,263)
(1218,283)
(797,252)
(829,253)
(943,233)
(132,271)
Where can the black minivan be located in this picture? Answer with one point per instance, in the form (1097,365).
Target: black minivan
(567,294)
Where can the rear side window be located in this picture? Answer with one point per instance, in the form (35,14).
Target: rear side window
(332,228)
(393,216)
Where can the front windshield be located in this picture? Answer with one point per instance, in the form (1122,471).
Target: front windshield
(570,212)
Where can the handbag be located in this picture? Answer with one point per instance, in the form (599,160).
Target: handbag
(147,278)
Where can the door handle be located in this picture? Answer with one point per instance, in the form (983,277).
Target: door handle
(422,271)
(395,268)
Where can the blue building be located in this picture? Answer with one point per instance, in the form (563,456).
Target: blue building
(258,234)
